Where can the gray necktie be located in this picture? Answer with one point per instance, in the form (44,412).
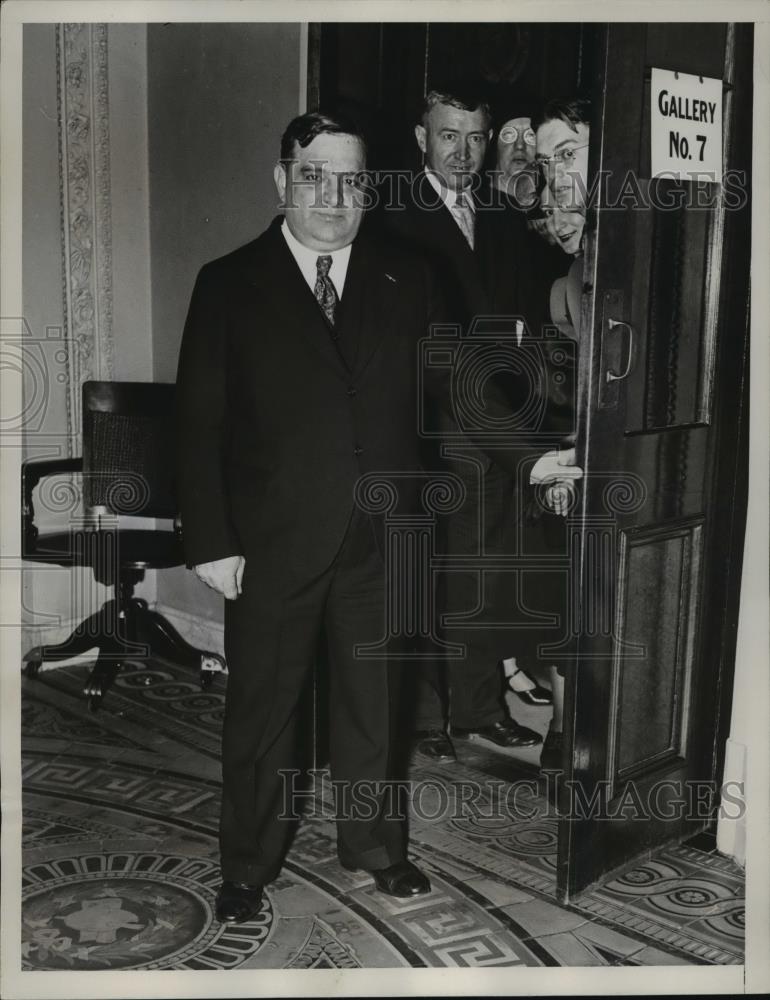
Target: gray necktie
(325,292)
(463,214)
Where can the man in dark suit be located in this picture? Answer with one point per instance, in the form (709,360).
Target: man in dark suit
(479,245)
(297,376)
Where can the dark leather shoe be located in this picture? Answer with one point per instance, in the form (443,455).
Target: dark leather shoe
(551,756)
(402,879)
(507,733)
(436,744)
(237,903)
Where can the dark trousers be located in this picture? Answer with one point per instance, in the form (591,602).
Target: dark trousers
(463,693)
(468,692)
(271,643)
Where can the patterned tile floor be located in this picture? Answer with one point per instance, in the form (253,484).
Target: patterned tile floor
(120,860)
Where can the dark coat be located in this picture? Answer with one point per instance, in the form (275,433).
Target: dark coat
(276,420)
(484,289)
(487,280)
(481,286)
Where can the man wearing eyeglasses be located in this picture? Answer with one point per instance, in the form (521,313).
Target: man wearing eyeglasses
(562,133)
(515,173)
(515,145)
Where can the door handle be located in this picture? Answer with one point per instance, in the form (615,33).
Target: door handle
(611,325)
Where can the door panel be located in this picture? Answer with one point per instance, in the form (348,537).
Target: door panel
(675,324)
(678,263)
(663,311)
(659,581)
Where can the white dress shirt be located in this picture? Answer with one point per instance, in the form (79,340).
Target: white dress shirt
(460,206)
(306,260)
(449,195)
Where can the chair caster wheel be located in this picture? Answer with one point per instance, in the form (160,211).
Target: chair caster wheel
(98,683)
(32,668)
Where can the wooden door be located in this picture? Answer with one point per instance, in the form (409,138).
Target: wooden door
(662,414)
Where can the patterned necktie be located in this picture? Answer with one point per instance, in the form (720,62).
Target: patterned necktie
(325,292)
(463,214)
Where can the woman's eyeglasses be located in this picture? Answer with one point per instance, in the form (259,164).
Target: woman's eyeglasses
(564,156)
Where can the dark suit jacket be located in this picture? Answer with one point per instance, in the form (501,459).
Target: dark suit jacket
(492,280)
(275,424)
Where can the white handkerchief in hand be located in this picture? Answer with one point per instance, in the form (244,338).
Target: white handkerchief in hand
(548,467)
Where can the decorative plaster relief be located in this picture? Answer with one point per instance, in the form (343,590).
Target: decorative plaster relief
(86,224)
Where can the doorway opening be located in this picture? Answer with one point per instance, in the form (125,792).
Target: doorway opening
(661,407)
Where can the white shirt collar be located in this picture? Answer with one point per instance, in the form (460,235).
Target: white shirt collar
(306,260)
(447,195)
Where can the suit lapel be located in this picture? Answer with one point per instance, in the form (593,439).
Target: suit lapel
(483,237)
(449,234)
(486,257)
(364,312)
(498,253)
(365,306)
(285,293)
(349,319)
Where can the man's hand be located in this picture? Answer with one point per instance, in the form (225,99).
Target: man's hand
(223,575)
(560,496)
(555,465)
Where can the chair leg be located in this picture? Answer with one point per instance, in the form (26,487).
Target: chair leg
(32,667)
(164,641)
(100,680)
(106,630)
(118,643)
(87,635)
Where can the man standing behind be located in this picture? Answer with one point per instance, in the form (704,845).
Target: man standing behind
(298,375)
(480,251)
(515,172)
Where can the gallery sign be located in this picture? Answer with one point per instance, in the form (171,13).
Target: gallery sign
(686,126)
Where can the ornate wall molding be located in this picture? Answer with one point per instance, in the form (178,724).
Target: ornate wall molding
(86,221)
